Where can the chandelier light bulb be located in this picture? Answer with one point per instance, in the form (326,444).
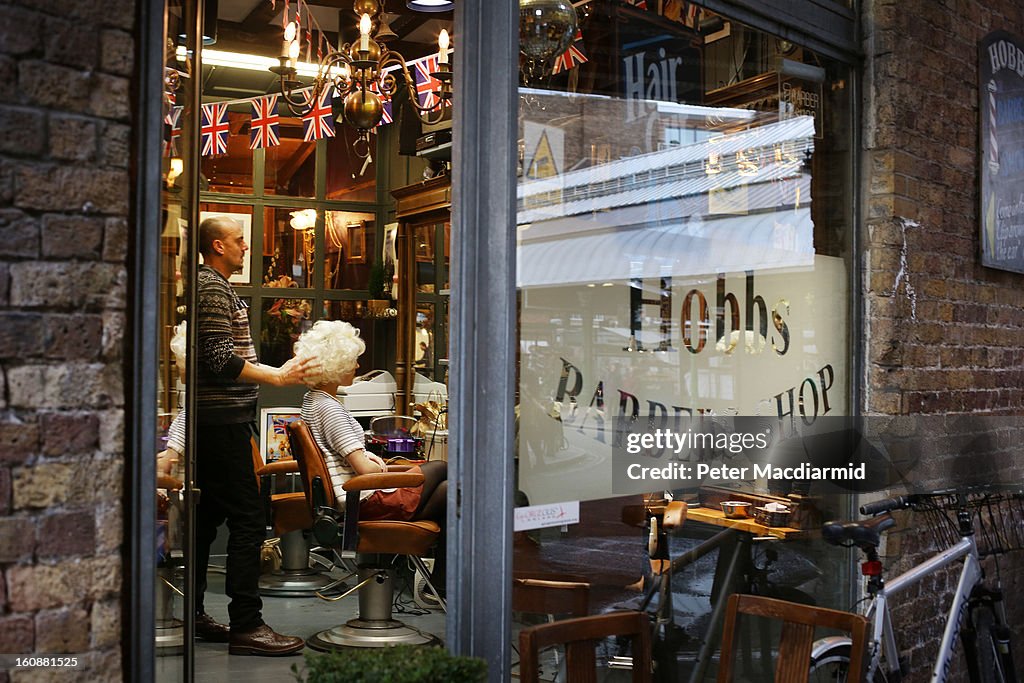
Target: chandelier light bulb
(442,44)
(293,50)
(364,33)
(289,31)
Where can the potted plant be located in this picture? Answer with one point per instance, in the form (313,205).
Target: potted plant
(399,664)
(379,302)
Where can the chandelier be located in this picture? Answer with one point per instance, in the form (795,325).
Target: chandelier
(362,73)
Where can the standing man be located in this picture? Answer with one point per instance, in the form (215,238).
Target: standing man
(228,378)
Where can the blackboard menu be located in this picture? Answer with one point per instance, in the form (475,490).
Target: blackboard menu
(1001,99)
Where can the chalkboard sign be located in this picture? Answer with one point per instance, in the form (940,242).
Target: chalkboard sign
(1001,99)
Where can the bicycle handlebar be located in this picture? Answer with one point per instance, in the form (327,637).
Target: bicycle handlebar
(886,505)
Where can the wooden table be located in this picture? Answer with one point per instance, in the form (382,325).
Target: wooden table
(717,518)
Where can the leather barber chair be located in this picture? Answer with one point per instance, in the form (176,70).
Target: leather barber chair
(372,543)
(290,515)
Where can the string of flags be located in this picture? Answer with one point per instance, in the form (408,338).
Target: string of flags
(265,121)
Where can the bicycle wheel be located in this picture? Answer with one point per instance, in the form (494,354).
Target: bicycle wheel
(995,663)
(833,666)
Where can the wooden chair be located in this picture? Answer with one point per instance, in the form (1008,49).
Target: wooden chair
(799,622)
(579,636)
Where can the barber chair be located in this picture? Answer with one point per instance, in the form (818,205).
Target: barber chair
(290,515)
(372,543)
(170,632)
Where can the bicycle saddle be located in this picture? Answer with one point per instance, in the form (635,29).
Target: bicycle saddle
(863,533)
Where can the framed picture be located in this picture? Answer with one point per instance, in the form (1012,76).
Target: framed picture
(357,242)
(245,220)
(274,433)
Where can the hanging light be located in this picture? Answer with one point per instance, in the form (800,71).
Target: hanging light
(361,73)
(430,5)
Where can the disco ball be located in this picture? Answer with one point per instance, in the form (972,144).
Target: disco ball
(546,28)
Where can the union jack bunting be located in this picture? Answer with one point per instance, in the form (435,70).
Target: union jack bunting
(318,122)
(572,57)
(172,131)
(388,115)
(425,83)
(214,131)
(264,129)
(641,4)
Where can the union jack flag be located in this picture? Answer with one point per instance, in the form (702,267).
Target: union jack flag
(265,122)
(641,4)
(425,83)
(318,122)
(572,57)
(214,131)
(172,131)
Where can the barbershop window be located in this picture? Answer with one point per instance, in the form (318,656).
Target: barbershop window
(684,250)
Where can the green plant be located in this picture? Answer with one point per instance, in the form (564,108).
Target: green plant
(375,284)
(399,664)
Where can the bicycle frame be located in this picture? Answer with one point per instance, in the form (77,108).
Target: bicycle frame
(883,638)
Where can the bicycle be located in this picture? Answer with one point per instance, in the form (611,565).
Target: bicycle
(970,525)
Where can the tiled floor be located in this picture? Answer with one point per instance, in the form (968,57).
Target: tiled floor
(294,616)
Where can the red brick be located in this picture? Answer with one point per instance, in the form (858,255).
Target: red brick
(68,44)
(62,631)
(18,441)
(72,337)
(69,433)
(17,538)
(66,534)
(20,334)
(72,138)
(17,633)
(5,490)
(19,234)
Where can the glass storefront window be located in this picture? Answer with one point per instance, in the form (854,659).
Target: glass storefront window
(351,249)
(231,172)
(358,314)
(242,215)
(350,177)
(289,236)
(684,233)
(283,320)
(290,168)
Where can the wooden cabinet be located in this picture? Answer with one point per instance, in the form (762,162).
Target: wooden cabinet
(423,245)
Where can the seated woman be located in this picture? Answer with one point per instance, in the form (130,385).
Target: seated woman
(337,347)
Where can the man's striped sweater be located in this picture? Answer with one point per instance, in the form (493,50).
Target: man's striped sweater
(225,343)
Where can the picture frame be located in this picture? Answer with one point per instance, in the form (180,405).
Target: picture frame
(245,220)
(274,423)
(357,242)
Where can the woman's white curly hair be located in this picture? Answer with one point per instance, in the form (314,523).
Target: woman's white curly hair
(179,340)
(337,347)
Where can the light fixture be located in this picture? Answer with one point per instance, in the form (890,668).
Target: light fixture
(430,5)
(305,220)
(362,72)
(175,169)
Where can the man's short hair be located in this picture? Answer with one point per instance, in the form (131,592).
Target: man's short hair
(211,229)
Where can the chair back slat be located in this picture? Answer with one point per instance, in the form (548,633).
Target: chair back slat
(797,639)
(794,653)
(580,662)
(580,636)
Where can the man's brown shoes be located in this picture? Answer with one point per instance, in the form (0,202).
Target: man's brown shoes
(209,630)
(264,641)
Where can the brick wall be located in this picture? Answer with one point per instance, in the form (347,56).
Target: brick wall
(944,334)
(65,74)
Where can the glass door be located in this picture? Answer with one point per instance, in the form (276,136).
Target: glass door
(179,192)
